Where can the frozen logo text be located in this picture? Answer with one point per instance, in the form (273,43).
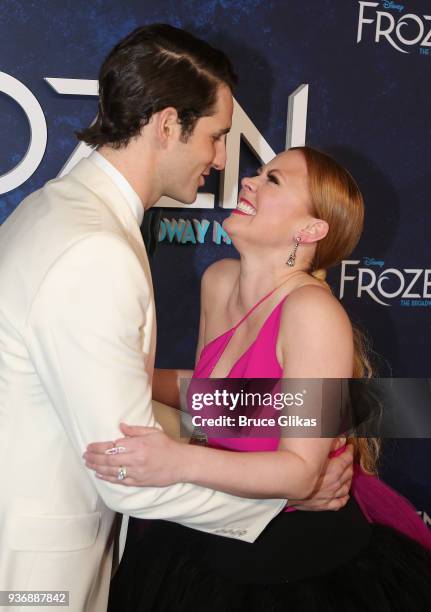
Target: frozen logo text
(387,284)
(409,30)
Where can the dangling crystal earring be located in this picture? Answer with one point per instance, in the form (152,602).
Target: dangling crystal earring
(292,257)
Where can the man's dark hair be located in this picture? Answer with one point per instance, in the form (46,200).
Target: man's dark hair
(154,67)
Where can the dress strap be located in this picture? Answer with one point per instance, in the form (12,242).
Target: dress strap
(265,297)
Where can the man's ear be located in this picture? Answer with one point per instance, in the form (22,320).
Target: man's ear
(313,232)
(166,125)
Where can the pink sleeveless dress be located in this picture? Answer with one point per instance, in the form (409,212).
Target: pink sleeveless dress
(378,502)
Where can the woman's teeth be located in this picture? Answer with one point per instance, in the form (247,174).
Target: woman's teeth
(246,208)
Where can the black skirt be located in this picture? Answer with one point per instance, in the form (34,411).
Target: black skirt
(302,562)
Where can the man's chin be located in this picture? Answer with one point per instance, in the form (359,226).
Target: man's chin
(190,199)
(184,198)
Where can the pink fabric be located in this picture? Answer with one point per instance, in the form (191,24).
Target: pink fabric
(379,502)
(258,361)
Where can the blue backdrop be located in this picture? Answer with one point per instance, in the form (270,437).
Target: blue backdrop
(367,65)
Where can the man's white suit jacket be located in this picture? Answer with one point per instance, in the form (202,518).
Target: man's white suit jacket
(77,344)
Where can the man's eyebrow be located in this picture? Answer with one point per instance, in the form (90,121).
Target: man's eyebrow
(223,131)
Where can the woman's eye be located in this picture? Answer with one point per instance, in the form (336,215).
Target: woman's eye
(273,179)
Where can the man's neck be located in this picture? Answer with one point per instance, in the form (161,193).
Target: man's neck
(137,167)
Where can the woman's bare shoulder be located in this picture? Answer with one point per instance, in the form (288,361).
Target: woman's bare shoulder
(218,282)
(220,276)
(315,298)
(313,307)
(315,336)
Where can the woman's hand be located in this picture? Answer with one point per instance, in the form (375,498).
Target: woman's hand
(148,456)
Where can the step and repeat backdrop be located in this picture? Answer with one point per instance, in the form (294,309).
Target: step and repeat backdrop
(351,78)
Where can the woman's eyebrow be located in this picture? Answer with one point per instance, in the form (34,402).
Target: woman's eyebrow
(260,170)
(277,171)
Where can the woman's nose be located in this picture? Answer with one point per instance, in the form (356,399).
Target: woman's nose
(248,183)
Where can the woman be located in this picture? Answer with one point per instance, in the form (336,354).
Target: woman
(302,212)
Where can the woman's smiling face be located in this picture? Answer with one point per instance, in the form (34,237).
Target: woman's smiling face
(274,204)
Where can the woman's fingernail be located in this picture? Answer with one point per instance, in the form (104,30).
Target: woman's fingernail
(99,475)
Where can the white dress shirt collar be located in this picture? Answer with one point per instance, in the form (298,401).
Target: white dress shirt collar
(130,195)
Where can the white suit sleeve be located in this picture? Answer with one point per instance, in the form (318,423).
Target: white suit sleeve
(83,335)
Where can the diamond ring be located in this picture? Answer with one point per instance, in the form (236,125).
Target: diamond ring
(122,473)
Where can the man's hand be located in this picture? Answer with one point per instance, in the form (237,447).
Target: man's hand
(333,486)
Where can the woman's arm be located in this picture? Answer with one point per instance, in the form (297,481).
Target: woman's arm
(279,474)
(316,342)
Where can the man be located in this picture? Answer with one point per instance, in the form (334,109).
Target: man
(77,322)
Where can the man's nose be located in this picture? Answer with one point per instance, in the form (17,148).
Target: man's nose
(219,161)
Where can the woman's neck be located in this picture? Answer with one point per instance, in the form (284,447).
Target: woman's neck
(258,277)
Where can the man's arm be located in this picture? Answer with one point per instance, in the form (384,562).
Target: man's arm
(83,335)
(332,489)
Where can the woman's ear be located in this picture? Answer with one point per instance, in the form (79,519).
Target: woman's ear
(315,231)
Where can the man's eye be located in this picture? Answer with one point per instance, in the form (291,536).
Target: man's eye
(273,179)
